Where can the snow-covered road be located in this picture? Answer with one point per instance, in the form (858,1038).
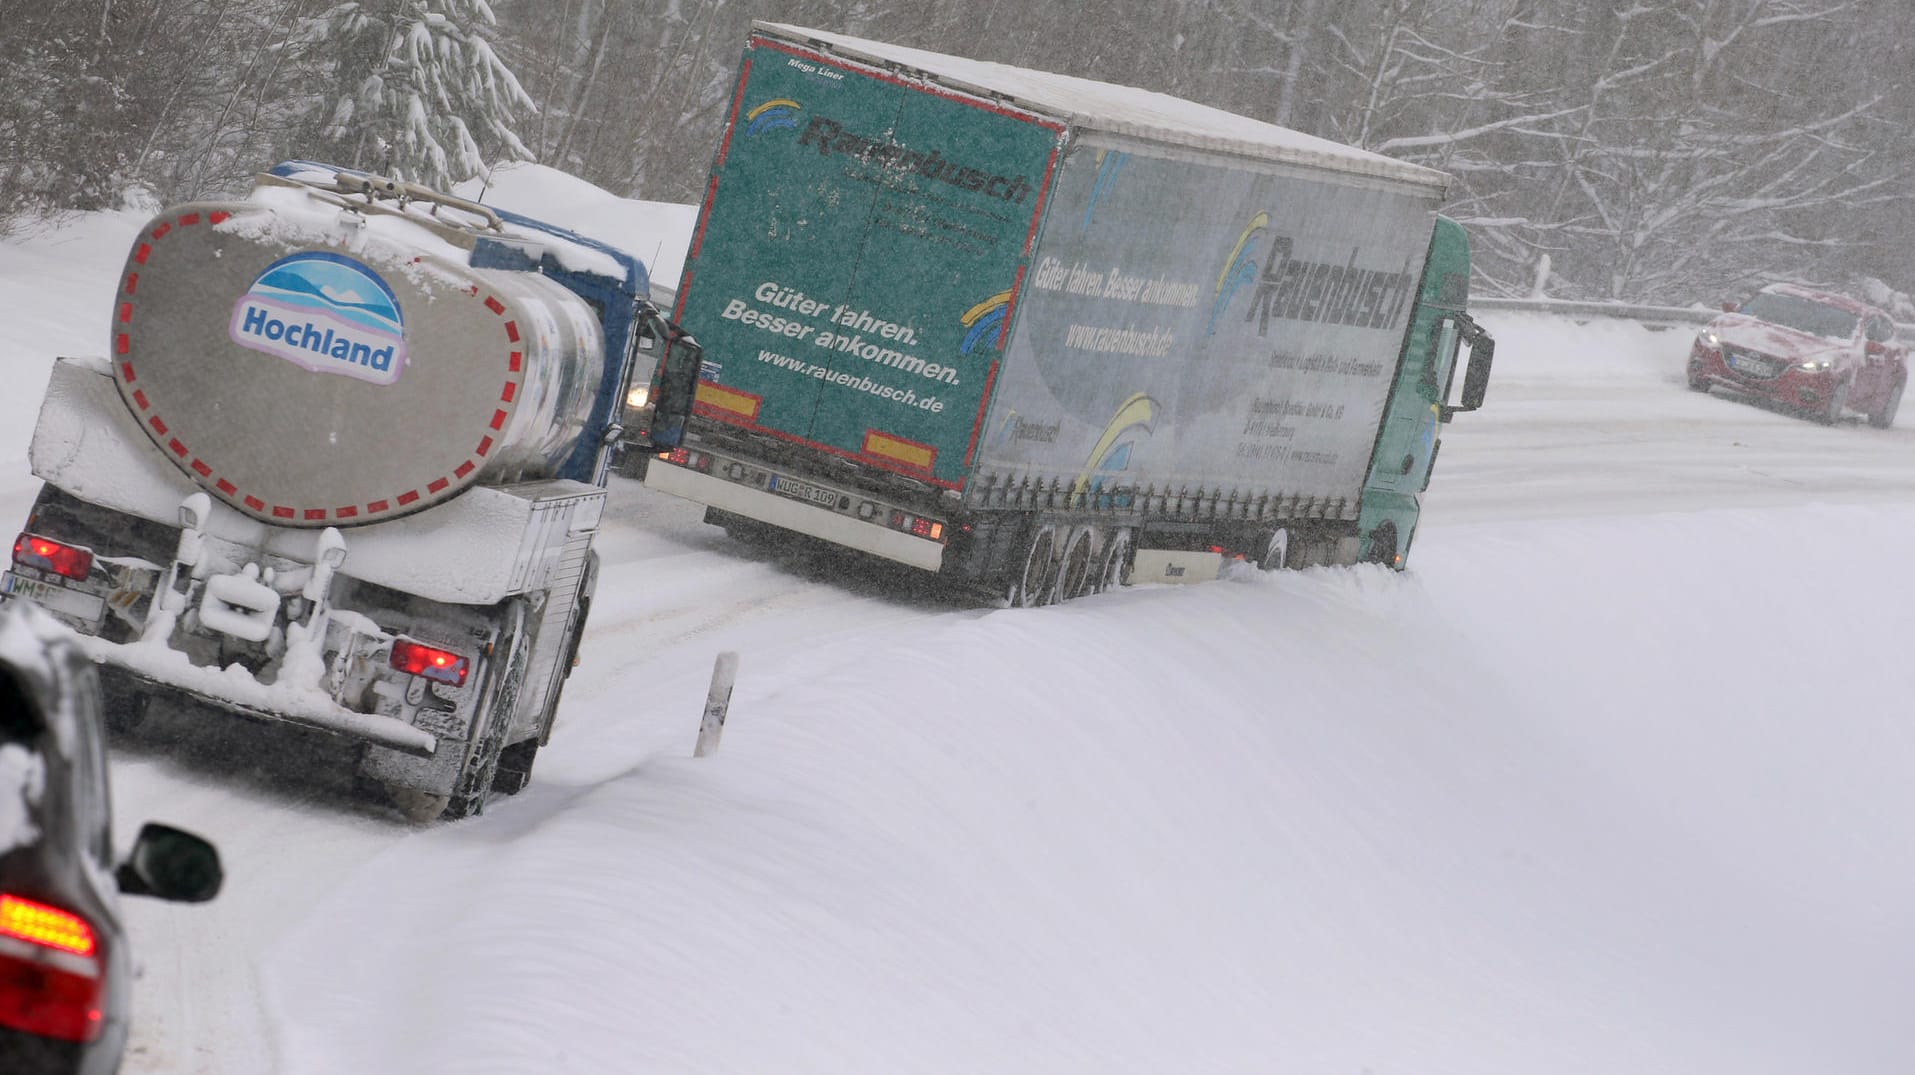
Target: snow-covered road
(1615,779)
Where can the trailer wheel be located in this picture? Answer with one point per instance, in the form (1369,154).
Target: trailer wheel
(1035,584)
(1276,552)
(1114,568)
(1074,575)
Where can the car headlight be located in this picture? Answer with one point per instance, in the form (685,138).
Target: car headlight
(1814,365)
(1709,338)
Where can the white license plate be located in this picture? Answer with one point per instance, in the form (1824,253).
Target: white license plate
(81,606)
(798,490)
(1757,366)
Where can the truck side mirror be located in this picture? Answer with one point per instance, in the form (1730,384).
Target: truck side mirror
(1476,381)
(1480,354)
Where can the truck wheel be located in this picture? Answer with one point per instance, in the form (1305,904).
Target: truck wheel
(1114,568)
(1383,545)
(515,767)
(1035,583)
(500,702)
(1074,567)
(1884,416)
(125,712)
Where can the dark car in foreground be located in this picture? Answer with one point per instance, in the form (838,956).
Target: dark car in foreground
(64,964)
(1823,354)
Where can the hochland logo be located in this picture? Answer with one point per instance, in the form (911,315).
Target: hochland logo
(772,115)
(325,313)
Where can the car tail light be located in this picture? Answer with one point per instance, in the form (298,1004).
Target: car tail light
(32,550)
(440,665)
(50,976)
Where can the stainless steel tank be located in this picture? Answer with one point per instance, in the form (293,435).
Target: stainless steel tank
(314,362)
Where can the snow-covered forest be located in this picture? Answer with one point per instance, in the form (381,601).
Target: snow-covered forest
(1675,151)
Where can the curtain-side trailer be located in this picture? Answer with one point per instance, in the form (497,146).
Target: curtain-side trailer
(1048,335)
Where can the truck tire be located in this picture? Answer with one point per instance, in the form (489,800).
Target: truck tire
(1075,575)
(1382,545)
(1884,416)
(514,770)
(1114,566)
(1036,580)
(475,780)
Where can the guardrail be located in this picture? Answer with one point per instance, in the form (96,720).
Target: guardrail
(1657,316)
(1652,316)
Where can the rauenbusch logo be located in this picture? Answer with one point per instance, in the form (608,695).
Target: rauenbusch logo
(828,136)
(325,313)
(773,115)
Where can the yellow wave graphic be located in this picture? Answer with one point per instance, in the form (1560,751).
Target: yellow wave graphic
(1256,225)
(778,102)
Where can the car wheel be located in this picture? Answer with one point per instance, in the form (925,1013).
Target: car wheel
(1884,416)
(1698,383)
(1838,402)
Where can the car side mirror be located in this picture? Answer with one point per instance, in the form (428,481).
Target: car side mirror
(171,864)
(1875,347)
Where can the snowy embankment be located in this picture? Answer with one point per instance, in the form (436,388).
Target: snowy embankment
(1613,781)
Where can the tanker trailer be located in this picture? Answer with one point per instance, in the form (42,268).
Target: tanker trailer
(342,468)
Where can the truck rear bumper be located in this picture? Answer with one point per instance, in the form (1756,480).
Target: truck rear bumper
(233,689)
(790,514)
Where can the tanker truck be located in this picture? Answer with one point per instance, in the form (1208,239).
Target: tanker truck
(1044,335)
(342,467)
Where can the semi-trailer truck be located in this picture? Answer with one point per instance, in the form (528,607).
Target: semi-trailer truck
(1046,335)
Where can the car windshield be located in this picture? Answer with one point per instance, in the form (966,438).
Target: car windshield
(1803,315)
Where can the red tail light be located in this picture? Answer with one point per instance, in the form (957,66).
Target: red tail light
(917,525)
(685,457)
(50,976)
(32,550)
(441,665)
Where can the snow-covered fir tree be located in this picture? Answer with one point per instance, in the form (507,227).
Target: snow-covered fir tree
(418,92)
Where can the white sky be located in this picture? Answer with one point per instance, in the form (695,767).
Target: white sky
(1614,780)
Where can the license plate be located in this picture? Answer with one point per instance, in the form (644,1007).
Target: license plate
(798,490)
(1747,364)
(86,607)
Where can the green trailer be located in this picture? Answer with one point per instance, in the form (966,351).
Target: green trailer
(1049,335)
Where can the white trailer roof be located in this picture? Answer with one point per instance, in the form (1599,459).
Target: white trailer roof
(1122,110)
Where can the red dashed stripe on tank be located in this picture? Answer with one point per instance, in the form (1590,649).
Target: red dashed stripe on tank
(122,346)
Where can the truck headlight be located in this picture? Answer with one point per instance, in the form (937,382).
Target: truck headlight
(638,397)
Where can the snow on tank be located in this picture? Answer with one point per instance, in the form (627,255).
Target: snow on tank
(321,354)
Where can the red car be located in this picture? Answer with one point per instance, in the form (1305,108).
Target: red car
(1806,350)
